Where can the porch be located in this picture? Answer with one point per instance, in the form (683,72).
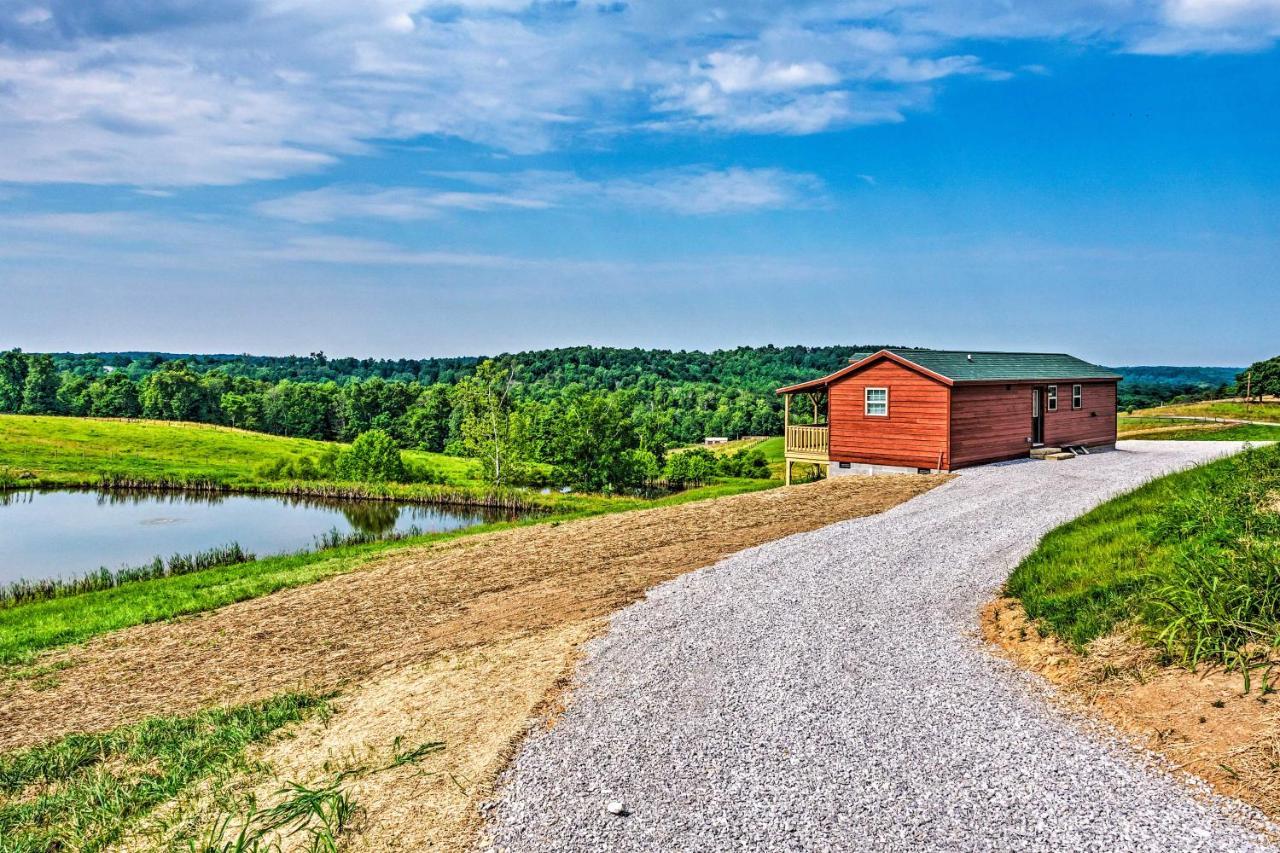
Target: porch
(807,431)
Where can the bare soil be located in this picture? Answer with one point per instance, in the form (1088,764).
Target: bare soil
(464,642)
(1203,721)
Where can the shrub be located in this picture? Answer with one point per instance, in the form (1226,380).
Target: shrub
(746,463)
(372,458)
(690,467)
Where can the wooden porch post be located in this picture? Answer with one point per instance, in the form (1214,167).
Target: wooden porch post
(786,422)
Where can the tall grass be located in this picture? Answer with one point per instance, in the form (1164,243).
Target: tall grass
(1192,559)
(83,791)
(1221,599)
(24,591)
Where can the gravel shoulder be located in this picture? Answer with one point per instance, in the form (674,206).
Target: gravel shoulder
(829,691)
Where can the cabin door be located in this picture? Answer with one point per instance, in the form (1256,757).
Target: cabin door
(1037,416)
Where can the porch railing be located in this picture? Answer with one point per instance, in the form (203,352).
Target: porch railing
(809,440)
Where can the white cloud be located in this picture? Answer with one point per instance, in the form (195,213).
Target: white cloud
(690,191)
(394,203)
(175,93)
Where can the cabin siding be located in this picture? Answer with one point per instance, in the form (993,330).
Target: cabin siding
(993,422)
(1093,423)
(913,435)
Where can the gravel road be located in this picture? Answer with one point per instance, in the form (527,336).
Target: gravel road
(827,692)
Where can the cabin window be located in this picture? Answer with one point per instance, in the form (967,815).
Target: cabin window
(877,400)
(1051,400)
(1076,397)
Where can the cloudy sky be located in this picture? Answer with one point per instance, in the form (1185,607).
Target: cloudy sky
(400,177)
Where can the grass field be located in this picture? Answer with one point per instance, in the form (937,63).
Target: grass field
(1268,410)
(1192,559)
(1163,429)
(71,450)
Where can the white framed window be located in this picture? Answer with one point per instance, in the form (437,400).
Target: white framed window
(1077,396)
(1051,399)
(877,402)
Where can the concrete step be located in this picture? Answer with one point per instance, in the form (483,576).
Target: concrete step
(1056,457)
(1044,452)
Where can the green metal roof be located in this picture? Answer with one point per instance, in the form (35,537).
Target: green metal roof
(976,366)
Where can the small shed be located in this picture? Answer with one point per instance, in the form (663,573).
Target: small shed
(921,410)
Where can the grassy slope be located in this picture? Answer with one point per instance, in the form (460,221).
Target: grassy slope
(1267,411)
(1161,429)
(1164,556)
(72,450)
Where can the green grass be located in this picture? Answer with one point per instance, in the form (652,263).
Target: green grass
(62,451)
(83,791)
(1236,409)
(1192,559)
(1174,430)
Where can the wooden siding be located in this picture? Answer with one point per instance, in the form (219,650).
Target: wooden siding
(993,422)
(1093,423)
(989,423)
(915,431)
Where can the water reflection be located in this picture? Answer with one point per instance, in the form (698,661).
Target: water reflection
(62,532)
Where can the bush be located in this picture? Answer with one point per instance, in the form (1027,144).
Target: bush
(690,467)
(746,463)
(372,458)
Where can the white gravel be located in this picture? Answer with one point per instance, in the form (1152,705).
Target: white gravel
(827,692)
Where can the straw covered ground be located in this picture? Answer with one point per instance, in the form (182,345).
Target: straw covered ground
(464,642)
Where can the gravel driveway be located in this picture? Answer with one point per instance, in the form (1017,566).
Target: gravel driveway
(827,692)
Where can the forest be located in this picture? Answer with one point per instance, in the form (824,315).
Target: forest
(600,416)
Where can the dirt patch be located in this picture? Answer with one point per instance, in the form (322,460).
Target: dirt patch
(461,642)
(1202,721)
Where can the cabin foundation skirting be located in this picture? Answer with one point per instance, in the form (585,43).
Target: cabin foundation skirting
(838,469)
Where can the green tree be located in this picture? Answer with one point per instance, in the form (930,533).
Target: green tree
(40,389)
(372,458)
(173,393)
(13,378)
(73,395)
(425,424)
(114,396)
(484,402)
(690,467)
(591,442)
(243,410)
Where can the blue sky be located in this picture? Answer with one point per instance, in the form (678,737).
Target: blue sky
(400,177)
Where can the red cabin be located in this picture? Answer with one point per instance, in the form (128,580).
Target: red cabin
(909,410)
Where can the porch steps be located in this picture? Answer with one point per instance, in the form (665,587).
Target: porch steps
(1053,454)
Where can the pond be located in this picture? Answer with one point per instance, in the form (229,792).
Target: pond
(46,533)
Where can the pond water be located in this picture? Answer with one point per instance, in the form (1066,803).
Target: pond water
(47,533)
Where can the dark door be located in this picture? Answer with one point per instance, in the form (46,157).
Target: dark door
(1037,416)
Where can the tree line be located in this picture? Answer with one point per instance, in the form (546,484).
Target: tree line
(521,426)
(599,417)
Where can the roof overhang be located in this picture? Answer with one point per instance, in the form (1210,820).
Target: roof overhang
(884,354)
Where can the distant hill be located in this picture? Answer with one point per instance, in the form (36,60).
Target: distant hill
(1154,385)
